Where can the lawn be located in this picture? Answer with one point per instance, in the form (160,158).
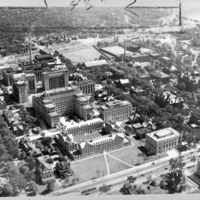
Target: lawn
(87,169)
(115,165)
(83,55)
(128,155)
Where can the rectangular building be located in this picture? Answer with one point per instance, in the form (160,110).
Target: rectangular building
(162,140)
(78,149)
(62,101)
(56,77)
(84,127)
(20,87)
(116,111)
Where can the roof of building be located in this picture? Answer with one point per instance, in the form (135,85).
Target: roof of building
(115,50)
(82,123)
(142,131)
(112,104)
(163,134)
(137,125)
(104,139)
(124,81)
(159,74)
(95,63)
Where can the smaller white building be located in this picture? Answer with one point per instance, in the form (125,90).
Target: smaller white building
(162,140)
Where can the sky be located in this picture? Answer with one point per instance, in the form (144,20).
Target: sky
(186,4)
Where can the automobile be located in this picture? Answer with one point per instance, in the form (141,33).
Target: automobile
(142,175)
(166,168)
(87,193)
(191,152)
(153,164)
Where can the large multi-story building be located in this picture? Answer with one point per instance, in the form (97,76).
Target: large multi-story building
(86,86)
(27,68)
(22,85)
(116,111)
(83,127)
(56,77)
(45,107)
(69,100)
(77,148)
(162,140)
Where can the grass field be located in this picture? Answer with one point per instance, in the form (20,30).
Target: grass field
(83,55)
(115,165)
(87,169)
(128,155)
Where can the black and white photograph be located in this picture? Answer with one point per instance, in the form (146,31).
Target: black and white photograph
(99,98)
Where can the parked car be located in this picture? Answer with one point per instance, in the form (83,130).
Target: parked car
(153,164)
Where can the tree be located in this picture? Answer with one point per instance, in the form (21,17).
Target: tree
(50,186)
(3,124)
(38,144)
(131,179)
(7,190)
(92,99)
(127,189)
(33,188)
(31,162)
(46,141)
(104,189)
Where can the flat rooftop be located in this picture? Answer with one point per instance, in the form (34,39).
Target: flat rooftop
(113,104)
(72,124)
(116,50)
(163,134)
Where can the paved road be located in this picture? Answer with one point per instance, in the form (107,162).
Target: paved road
(120,177)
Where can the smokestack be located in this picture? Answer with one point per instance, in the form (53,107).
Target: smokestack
(180,14)
(125,50)
(30,51)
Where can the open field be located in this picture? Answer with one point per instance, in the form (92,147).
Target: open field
(84,55)
(115,165)
(87,169)
(128,155)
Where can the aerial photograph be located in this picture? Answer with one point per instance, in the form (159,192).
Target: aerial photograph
(99,97)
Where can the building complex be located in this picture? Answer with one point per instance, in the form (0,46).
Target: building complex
(54,103)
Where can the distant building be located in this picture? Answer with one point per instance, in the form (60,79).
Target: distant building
(166,60)
(142,132)
(138,91)
(167,98)
(116,111)
(160,76)
(56,77)
(20,87)
(113,126)
(198,169)
(44,171)
(88,65)
(117,73)
(169,70)
(45,58)
(78,149)
(86,86)
(192,83)
(124,84)
(162,140)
